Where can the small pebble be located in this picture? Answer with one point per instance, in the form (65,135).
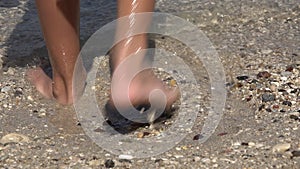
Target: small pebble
(18,93)
(236,144)
(268,97)
(222,134)
(273,88)
(196,159)
(30,98)
(266,51)
(109,163)
(14,138)
(205,160)
(242,77)
(197,137)
(41,114)
(263,74)
(283,78)
(173,83)
(251,144)
(5,89)
(244,144)
(238,85)
(140,135)
(11,71)
(294,117)
(281,148)
(184,147)
(286,74)
(289,68)
(178,156)
(125,157)
(288,103)
(296,153)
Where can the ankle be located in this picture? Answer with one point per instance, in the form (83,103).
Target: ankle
(62,91)
(62,97)
(127,47)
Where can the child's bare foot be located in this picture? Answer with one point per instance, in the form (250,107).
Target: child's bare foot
(140,90)
(41,81)
(145,83)
(45,85)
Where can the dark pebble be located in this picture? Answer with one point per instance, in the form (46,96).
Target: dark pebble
(124,161)
(261,129)
(289,68)
(238,85)
(290,84)
(229,84)
(254,81)
(18,93)
(9,4)
(246,156)
(275,106)
(288,103)
(281,90)
(168,78)
(296,153)
(244,144)
(55,159)
(274,120)
(222,134)
(295,90)
(268,97)
(158,160)
(261,107)
(268,110)
(242,77)
(197,137)
(249,98)
(109,163)
(263,74)
(294,117)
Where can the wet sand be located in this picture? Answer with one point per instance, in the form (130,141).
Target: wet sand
(258,44)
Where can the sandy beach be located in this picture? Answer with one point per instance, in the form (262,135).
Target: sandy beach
(258,46)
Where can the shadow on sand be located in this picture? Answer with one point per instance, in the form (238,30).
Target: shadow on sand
(25,46)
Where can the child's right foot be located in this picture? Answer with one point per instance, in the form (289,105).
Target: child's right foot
(139,91)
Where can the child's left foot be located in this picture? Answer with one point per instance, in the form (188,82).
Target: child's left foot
(41,81)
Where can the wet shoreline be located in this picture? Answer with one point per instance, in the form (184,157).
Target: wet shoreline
(258,44)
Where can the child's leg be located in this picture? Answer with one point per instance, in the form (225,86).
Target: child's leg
(131,44)
(60,25)
(145,82)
